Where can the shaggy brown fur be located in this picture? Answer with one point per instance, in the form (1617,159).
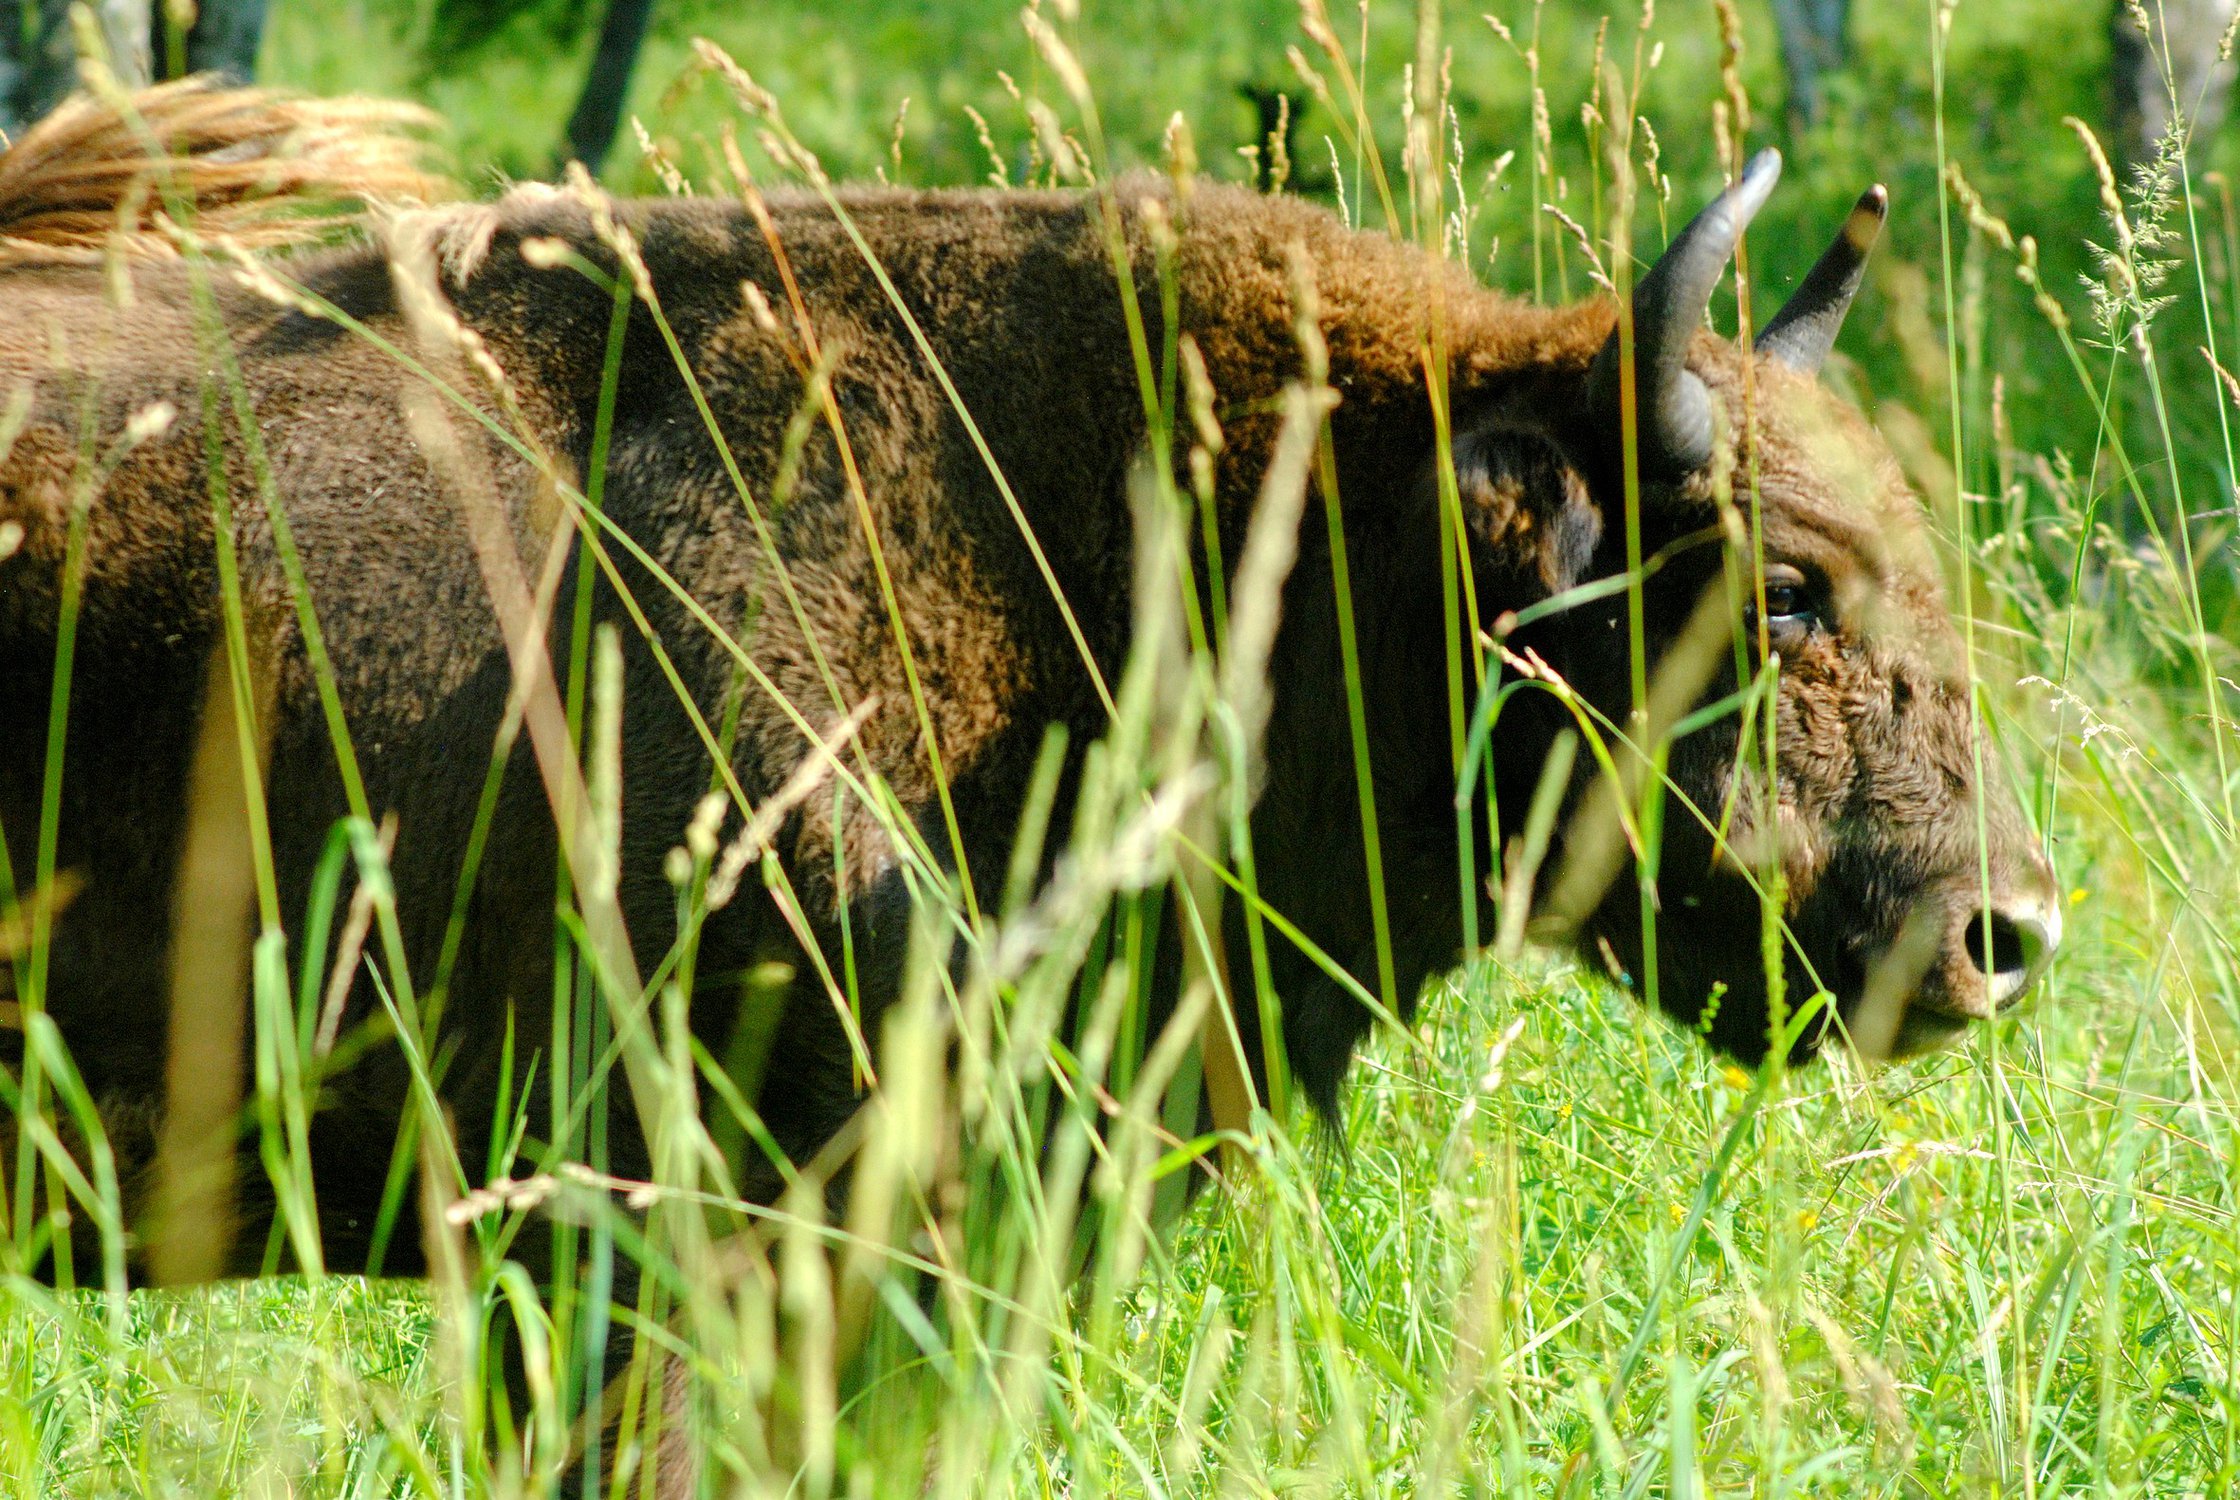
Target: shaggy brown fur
(1879,790)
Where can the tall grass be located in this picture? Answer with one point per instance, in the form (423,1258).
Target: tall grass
(1551,1247)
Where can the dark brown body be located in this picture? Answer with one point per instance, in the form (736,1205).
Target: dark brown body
(1016,293)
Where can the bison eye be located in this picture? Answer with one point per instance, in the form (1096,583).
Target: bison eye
(1791,610)
(1786,601)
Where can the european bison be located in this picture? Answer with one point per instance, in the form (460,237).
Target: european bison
(1883,789)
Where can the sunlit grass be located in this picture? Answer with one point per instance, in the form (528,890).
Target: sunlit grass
(1829,1316)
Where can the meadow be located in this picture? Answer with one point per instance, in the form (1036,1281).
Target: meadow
(1553,1246)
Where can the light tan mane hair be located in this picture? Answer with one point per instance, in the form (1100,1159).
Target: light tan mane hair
(261,170)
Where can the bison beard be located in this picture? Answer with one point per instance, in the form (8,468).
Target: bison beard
(1889,816)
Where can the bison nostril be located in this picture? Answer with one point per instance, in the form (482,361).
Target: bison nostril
(2009,948)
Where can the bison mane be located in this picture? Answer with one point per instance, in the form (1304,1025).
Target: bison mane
(105,175)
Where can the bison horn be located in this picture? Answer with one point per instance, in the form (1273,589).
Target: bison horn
(1669,305)
(1805,329)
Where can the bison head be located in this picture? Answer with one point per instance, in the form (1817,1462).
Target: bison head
(1883,849)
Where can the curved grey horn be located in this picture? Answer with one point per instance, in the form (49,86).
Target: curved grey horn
(1802,333)
(1668,307)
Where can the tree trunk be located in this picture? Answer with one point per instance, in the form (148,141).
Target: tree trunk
(2166,74)
(39,53)
(1815,40)
(223,39)
(606,88)
(1275,157)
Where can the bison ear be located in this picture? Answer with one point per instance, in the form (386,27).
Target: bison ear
(1526,507)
